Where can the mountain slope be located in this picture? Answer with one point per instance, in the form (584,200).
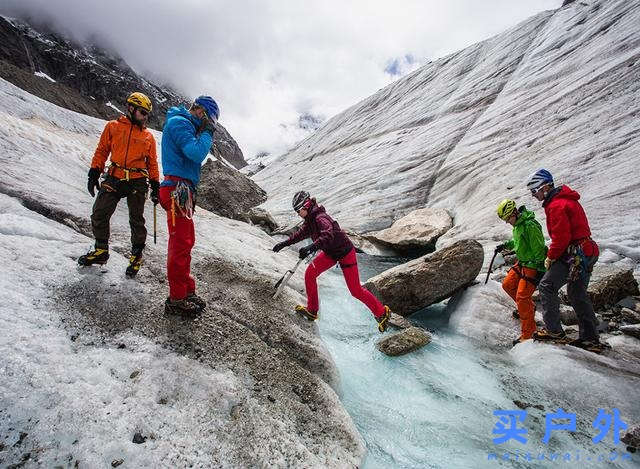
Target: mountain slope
(559,90)
(87,79)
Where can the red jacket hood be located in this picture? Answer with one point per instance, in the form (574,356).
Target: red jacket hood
(568,193)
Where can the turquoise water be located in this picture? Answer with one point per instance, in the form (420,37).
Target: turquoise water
(434,407)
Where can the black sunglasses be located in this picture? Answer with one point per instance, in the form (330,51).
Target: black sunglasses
(143,111)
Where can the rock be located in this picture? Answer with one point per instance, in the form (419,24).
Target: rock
(630,316)
(227,192)
(429,279)
(224,146)
(524,405)
(363,244)
(416,232)
(403,342)
(138,438)
(568,315)
(399,321)
(117,462)
(611,284)
(632,437)
(252,169)
(260,217)
(632,330)
(631,302)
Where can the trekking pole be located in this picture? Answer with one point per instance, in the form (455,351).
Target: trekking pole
(280,284)
(155,223)
(495,253)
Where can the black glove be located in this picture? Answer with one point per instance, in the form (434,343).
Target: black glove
(207,126)
(306,250)
(155,191)
(94,176)
(278,247)
(499,248)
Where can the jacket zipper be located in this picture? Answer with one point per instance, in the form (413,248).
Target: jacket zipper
(126,153)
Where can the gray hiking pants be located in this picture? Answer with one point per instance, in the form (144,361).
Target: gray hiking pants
(110,193)
(549,286)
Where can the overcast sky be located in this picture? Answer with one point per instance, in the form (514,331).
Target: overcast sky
(268,62)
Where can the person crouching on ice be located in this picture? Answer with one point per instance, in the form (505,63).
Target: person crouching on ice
(522,279)
(335,247)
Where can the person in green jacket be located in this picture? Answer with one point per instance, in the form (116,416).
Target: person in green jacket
(522,279)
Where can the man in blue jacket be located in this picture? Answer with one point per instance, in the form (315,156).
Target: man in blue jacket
(186,139)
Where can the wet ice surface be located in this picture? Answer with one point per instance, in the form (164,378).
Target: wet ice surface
(434,407)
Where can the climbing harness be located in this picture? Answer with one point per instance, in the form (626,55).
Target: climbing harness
(534,280)
(181,201)
(578,265)
(127,171)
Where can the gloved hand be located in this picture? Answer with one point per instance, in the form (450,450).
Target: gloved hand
(208,126)
(155,191)
(499,248)
(547,263)
(306,250)
(278,247)
(94,176)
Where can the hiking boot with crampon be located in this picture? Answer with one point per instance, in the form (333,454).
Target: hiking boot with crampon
(97,256)
(383,319)
(197,300)
(546,336)
(135,262)
(181,307)
(310,315)
(594,346)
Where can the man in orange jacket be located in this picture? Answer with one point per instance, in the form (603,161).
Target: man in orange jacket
(133,162)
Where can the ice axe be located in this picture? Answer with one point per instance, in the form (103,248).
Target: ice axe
(280,284)
(155,223)
(495,253)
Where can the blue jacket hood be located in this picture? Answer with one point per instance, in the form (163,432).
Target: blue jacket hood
(184,112)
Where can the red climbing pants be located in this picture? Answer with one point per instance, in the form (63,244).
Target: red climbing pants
(182,237)
(349,265)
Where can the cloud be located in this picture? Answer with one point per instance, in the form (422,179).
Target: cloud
(269,62)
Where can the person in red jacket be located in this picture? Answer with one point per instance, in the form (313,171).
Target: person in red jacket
(132,150)
(569,260)
(335,247)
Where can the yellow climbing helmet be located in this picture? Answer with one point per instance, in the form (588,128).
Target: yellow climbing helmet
(140,100)
(506,208)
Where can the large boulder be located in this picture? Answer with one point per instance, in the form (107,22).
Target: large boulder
(227,192)
(416,232)
(260,217)
(429,279)
(610,284)
(403,342)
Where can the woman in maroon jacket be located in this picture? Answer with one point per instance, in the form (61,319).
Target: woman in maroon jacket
(335,247)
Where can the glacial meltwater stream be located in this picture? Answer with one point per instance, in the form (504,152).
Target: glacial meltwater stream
(435,406)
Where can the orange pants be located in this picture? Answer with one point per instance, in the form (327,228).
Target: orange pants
(521,290)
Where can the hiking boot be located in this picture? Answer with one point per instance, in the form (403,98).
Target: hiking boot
(383,319)
(97,256)
(594,346)
(197,300)
(135,261)
(310,315)
(546,336)
(180,307)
